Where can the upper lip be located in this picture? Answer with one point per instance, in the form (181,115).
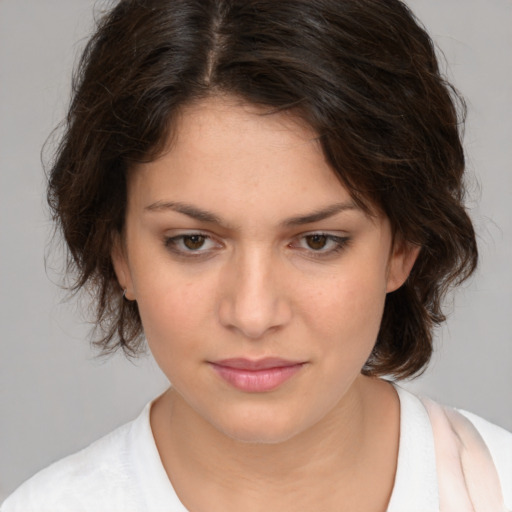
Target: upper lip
(266,363)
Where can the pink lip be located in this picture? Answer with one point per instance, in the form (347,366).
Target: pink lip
(256,376)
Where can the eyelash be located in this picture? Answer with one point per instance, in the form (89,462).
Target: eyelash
(340,242)
(172,242)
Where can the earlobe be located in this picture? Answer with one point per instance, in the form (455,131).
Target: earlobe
(402,260)
(121,268)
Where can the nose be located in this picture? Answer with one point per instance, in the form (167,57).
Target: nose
(253,295)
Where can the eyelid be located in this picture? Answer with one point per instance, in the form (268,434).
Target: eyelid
(333,235)
(340,240)
(171,242)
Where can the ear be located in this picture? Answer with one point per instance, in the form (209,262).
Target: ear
(402,259)
(121,267)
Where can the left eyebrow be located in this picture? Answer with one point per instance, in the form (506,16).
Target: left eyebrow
(319,215)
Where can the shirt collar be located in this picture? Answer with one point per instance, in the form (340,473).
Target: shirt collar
(416,485)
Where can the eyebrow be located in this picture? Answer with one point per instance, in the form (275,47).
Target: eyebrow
(321,214)
(206,216)
(185,209)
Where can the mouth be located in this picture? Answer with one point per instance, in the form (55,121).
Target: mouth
(256,376)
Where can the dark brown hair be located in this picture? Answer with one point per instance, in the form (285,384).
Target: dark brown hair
(362,73)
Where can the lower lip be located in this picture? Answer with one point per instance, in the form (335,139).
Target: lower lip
(257,381)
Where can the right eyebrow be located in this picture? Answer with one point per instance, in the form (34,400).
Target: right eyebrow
(187,209)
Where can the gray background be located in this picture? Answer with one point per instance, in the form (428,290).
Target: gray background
(56,398)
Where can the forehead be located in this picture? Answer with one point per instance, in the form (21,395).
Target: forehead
(234,158)
(227,130)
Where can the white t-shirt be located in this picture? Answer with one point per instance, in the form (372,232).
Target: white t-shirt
(123,472)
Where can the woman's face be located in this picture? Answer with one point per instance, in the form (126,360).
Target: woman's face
(260,283)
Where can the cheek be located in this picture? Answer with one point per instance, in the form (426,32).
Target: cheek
(172,310)
(348,309)
(172,327)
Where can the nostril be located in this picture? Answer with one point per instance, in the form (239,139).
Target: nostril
(253,298)
(254,318)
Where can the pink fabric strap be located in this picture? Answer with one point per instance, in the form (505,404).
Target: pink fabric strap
(467,477)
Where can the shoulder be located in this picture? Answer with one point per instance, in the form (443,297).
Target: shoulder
(77,482)
(499,442)
(471,454)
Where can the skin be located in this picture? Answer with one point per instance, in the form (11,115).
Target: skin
(259,285)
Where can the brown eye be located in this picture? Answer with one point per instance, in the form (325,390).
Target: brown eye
(317,242)
(321,245)
(194,242)
(192,245)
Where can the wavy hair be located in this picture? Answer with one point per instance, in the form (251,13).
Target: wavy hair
(362,73)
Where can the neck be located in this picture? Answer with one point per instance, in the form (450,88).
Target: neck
(235,473)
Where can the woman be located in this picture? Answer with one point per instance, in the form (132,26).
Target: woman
(271,192)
